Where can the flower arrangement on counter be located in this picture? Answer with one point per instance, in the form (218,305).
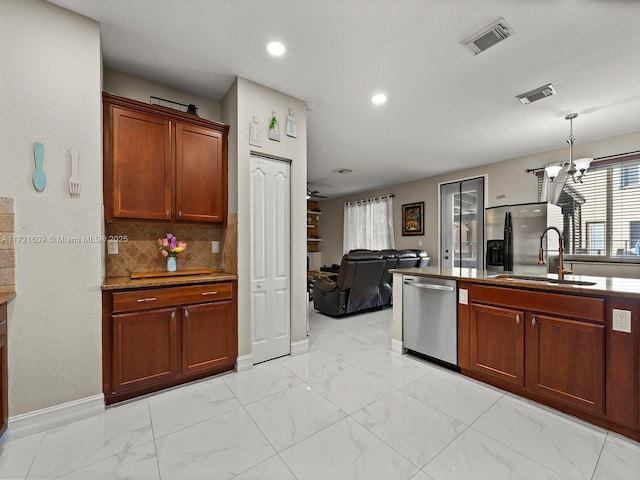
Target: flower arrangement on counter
(170,247)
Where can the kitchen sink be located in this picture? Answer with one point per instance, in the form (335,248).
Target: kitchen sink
(526,278)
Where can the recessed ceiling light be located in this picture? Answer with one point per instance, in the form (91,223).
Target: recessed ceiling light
(275,48)
(379,98)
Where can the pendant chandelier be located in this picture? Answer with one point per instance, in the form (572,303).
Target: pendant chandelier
(575,168)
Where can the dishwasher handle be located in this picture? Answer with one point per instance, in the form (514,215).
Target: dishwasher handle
(430,286)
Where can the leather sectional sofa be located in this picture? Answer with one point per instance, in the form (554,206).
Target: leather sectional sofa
(364,282)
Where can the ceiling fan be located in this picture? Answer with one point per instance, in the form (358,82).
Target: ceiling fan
(313,194)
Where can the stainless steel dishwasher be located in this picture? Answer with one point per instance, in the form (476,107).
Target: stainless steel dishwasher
(430,318)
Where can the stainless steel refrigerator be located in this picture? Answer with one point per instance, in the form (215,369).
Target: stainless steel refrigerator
(513,236)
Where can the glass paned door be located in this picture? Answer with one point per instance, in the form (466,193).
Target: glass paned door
(462,224)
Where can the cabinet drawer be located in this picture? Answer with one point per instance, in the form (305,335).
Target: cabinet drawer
(164,297)
(3,319)
(573,306)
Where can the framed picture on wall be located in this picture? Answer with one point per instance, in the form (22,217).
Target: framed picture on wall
(413,218)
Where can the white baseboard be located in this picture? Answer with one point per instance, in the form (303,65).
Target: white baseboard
(56,416)
(397,347)
(244,362)
(300,347)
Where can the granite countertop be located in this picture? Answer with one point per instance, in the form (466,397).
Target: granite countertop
(5,297)
(117,283)
(623,287)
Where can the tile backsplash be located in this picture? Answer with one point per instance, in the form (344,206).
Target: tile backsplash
(7,245)
(138,247)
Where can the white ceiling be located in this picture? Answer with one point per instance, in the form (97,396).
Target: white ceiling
(446,109)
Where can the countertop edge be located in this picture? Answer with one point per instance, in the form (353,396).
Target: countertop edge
(126,283)
(6,297)
(613,286)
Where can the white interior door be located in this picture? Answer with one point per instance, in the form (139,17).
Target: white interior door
(270,259)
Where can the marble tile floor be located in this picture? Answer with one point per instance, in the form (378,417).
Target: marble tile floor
(347,409)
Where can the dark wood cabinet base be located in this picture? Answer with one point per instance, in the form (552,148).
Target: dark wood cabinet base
(557,349)
(156,338)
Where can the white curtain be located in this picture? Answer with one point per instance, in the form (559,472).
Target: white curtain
(369,224)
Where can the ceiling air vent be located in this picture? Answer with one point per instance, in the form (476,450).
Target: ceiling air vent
(488,36)
(537,94)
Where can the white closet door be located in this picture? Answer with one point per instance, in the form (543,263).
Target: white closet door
(270,259)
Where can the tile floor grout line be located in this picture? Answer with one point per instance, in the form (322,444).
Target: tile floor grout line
(153,435)
(595,467)
(390,446)
(518,452)
(35,454)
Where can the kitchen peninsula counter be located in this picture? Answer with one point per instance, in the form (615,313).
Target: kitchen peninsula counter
(573,347)
(620,287)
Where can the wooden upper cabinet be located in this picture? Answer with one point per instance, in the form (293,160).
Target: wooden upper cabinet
(161,164)
(142,178)
(201,174)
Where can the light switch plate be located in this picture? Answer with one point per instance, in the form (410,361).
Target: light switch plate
(621,320)
(463,296)
(215,246)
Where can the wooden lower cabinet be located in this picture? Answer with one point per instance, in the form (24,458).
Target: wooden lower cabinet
(183,338)
(4,378)
(533,350)
(497,342)
(566,361)
(207,337)
(145,348)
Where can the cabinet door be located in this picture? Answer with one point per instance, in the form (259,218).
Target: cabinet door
(497,343)
(142,167)
(208,339)
(201,176)
(145,349)
(565,361)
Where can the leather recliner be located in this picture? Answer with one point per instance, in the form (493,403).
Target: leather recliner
(403,259)
(357,287)
(364,281)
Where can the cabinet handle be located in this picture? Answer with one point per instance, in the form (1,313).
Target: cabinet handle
(518,318)
(168,213)
(209,293)
(2,322)
(148,299)
(173,315)
(533,322)
(186,313)
(180,214)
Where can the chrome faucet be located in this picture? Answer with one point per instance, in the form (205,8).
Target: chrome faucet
(561,269)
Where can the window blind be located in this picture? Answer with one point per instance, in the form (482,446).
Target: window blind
(601,214)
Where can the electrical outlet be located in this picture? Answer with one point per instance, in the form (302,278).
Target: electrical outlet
(215,246)
(463,296)
(112,247)
(622,320)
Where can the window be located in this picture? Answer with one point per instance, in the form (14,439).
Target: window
(629,176)
(462,223)
(601,214)
(595,238)
(368,224)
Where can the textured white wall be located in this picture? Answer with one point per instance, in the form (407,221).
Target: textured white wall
(50,69)
(138,88)
(254,99)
